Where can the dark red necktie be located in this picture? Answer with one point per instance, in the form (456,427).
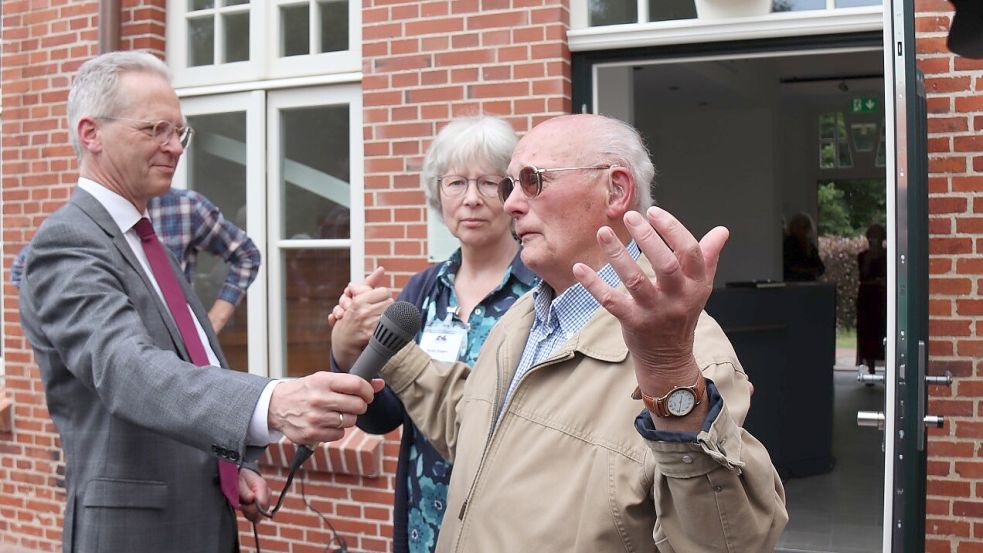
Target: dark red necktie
(228,473)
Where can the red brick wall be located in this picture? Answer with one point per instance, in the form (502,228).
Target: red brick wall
(425,63)
(954,523)
(44,43)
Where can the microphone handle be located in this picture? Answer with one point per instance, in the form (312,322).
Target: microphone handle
(372,358)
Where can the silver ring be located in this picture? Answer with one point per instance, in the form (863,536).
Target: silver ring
(341,420)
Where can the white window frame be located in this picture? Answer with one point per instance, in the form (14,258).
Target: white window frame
(252,104)
(582,38)
(264,37)
(267,331)
(350,95)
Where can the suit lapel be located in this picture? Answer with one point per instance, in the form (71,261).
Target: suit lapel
(95,211)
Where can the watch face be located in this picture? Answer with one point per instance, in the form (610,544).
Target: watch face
(681,402)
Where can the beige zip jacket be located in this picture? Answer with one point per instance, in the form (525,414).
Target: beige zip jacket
(565,470)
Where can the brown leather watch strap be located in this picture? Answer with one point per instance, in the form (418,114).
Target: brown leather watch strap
(657,405)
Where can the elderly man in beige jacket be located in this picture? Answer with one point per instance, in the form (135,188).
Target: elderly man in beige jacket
(605,410)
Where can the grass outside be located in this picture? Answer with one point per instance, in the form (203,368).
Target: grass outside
(846,337)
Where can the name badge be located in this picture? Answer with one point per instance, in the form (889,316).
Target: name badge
(444,342)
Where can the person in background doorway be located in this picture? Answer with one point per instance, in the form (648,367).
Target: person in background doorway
(800,255)
(872,299)
(188,224)
(460,298)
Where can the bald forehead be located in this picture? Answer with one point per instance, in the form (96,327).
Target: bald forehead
(558,140)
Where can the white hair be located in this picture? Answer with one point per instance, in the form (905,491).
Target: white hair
(619,143)
(479,141)
(95,90)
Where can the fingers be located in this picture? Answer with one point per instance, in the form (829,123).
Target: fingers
(712,244)
(376,278)
(662,248)
(253,491)
(318,407)
(632,276)
(605,295)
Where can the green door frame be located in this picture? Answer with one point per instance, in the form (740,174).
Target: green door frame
(911,283)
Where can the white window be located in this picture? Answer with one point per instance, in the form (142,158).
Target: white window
(225,41)
(598,13)
(286,166)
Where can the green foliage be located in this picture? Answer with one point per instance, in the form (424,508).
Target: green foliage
(848,207)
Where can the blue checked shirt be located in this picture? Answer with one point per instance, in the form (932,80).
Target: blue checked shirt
(557,319)
(188,223)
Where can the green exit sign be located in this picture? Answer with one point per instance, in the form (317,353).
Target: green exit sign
(864,105)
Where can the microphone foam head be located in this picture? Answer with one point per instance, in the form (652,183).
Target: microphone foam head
(398,325)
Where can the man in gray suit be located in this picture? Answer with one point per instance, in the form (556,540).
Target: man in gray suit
(153,426)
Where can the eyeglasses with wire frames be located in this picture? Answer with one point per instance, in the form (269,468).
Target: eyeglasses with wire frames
(531,179)
(161,131)
(454,186)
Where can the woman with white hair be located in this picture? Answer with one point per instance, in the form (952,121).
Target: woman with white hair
(460,298)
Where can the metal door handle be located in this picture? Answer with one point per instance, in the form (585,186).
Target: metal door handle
(871,419)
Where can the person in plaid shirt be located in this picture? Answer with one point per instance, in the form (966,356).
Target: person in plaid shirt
(188,223)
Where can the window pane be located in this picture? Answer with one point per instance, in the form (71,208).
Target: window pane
(236,37)
(201,41)
(313,279)
(200,4)
(235,2)
(316,191)
(216,169)
(334,25)
(665,10)
(827,155)
(613,12)
(855,3)
(827,126)
(295,30)
(797,5)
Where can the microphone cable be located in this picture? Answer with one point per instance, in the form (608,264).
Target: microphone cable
(301,456)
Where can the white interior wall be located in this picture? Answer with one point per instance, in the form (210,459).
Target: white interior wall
(715,167)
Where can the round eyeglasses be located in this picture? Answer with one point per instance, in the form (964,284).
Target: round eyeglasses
(454,186)
(531,179)
(161,131)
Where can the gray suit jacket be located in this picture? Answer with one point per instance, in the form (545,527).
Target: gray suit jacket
(141,427)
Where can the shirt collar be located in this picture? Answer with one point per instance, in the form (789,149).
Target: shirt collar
(123,213)
(571,307)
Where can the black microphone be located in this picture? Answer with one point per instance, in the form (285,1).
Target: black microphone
(397,326)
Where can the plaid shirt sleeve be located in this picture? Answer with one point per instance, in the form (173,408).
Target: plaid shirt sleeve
(216,235)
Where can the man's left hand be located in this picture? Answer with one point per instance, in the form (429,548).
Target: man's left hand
(253,489)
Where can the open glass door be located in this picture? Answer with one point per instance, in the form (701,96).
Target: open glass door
(768,129)
(905,417)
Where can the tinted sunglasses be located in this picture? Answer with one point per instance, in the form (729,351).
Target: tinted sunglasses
(531,180)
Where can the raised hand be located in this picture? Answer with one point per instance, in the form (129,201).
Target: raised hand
(658,315)
(374,280)
(361,306)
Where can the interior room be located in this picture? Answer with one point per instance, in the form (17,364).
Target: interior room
(751,143)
